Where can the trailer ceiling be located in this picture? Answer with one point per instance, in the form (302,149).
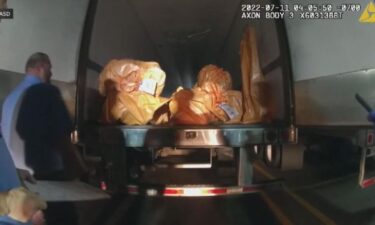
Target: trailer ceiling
(185,35)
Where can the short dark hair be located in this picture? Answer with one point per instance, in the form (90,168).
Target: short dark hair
(36,59)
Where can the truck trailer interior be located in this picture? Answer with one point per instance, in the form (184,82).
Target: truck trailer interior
(183,42)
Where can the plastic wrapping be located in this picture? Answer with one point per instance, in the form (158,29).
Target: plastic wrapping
(132,89)
(253,82)
(214,79)
(136,108)
(230,110)
(191,106)
(129,75)
(109,102)
(226,104)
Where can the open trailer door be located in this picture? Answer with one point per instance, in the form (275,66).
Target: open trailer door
(332,61)
(331,54)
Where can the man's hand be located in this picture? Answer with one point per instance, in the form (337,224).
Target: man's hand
(26,176)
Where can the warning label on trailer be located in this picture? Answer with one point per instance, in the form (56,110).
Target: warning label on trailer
(368,15)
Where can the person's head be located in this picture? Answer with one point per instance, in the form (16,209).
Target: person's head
(24,203)
(39,65)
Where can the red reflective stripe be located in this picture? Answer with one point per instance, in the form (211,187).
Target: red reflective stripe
(103,185)
(368,182)
(203,191)
(218,191)
(172,191)
(370,138)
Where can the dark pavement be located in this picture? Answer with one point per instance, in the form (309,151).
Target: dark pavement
(322,192)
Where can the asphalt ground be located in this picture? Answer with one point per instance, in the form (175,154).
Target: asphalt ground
(323,192)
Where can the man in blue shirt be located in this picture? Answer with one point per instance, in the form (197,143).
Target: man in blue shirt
(43,125)
(38,70)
